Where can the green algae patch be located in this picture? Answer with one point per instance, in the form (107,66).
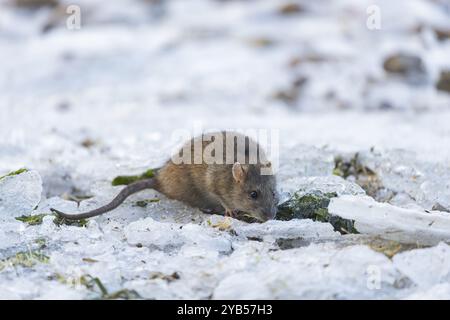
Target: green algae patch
(25,259)
(35,220)
(145,203)
(123,294)
(126,180)
(14,173)
(314,205)
(63,221)
(32,220)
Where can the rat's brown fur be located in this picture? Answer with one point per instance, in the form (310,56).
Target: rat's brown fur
(211,187)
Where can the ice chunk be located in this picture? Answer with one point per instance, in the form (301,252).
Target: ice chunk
(437,292)
(391,222)
(19,194)
(148,232)
(207,238)
(165,236)
(327,184)
(275,229)
(10,234)
(410,175)
(425,267)
(313,272)
(255,288)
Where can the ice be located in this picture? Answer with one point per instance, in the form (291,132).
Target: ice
(425,267)
(149,232)
(277,275)
(437,292)
(19,194)
(305,229)
(233,286)
(326,184)
(61,292)
(411,175)
(391,222)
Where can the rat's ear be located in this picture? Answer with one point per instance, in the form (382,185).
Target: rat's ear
(238,172)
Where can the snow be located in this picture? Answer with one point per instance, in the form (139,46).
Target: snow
(136,73)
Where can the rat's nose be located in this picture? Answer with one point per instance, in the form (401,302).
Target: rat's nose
(270,214)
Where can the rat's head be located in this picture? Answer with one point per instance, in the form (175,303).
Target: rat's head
(255,193)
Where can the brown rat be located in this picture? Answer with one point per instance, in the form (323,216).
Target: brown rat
(242,182)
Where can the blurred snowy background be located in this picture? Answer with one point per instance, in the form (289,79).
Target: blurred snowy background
(335,77)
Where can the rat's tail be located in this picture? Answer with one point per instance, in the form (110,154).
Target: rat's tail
(117,201)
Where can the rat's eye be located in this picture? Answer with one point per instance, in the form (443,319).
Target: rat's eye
(253,194)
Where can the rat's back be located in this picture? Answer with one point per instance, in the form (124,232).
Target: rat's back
(202,169)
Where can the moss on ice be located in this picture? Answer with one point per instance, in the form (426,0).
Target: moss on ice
(14,173)
(32,220)
(314,205)
(126,180)
(25,259)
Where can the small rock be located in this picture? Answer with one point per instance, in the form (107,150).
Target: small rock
(405,65)
(88,143)
(261,42)
(442,34)
(310,58)
(291,94)
(290,9)
(35,4)
(443,83)
(63,106)
(439,207)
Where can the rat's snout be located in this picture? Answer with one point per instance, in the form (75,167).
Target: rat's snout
(270,214)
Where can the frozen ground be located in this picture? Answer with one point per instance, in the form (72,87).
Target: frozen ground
(80,107)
